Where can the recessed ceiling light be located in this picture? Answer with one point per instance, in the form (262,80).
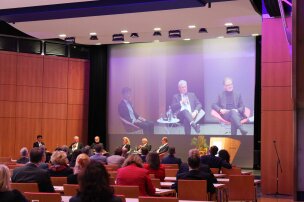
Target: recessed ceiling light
(126,42)
(220,37)
(255,34)
(191,26)
(124,31)
(62,35)
(98,44)
(227,24)
(157,29)
(156,41)
(93,34)
(187,39)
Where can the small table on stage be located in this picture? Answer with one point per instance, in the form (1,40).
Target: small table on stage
(168,124)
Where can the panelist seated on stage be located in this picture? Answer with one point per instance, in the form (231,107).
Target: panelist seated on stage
(96,142)
(75,145)
(214,161)
(164,147)
(38,142)
(126,144)
(127,112)
(144,144)
(187,107)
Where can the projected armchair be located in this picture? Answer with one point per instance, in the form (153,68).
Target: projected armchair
(130,127)
(226,124)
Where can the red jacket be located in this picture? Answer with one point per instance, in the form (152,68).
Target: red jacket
(160,173)
(133,175)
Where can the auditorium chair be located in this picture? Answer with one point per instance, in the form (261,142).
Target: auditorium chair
(25,187)
(5,159)
(171,172)
(156,182)
(59,181)
(170,166)
(70,189)
(226,124)
(215,170)
(130,127)
(232,171)
(127,191)
(194,190)
(43,197)
(241,188)
(157,199)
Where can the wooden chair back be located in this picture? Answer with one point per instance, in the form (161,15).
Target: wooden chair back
(170,166)
(43,197)
(156,182)
(127,191)
(157,199)
(192,190)
(70,189)
(5,159)
(171,172)
(232,171)
(241,188)
(215,170)
(59,181)
(113,174)
(25,187)
(112,181)
(13,166)
(152,176)
(122,197)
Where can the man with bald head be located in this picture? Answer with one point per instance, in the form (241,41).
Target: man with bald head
(230,106)
(75,145)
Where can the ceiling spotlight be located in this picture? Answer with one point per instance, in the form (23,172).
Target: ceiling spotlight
(187,39)
(157,33)
(134,35)
(62,35)
(220,37)
(191,26)
(233,30)
(175,34)
(157,29)
(255,34)
(98,44)
(93,37)
(93,34)
(202,30)
(227,24)
(126,42)
(118,37)
(124,31)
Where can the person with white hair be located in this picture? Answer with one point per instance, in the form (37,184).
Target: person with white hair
(23,156)
(187,107)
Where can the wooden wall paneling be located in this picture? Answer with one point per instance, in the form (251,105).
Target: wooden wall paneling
(78,76)
(280,74)
(277,98)
(54,132)
(27,130)
(275,47)
(29,94)
(29,70)
(7,109)
(8,92)
(54,111)
(7,136)
(28,110)
(8,64)
(55,72)
(55,95)
(79,128)
(278,126)
(78,111)
(78,96)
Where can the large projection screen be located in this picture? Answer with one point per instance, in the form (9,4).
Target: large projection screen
(152,72)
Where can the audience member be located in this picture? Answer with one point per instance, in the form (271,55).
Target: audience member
(59,167)
(154,167)
(75,145)
(94,185)
(43,163)
(38,142)
(6,194)
(164,147)
(214,161)
(98,155)
(194,173)
(87,150)
(224,155)
(116,159)
(133,173)
(23,156)
(126,144)
(144,153)
(32,173)
(82,161)
(171,159)
(74,157)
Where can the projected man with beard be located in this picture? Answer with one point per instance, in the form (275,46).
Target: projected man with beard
(230,106)
(126,111)
(187,108)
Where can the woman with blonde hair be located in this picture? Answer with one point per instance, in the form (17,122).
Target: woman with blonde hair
(126,144)
(133,173)
(82,161)
(6,194)
(59,167)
